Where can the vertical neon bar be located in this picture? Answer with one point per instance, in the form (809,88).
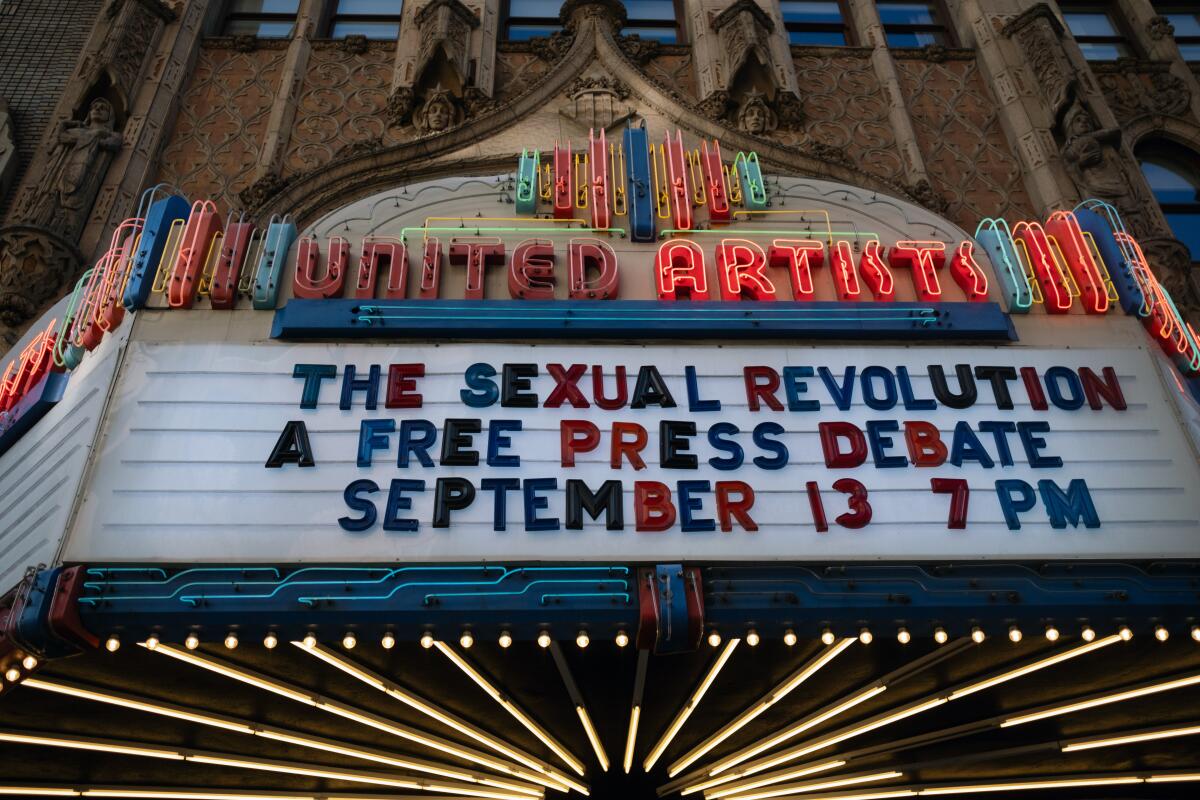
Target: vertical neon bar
(564,186)
(527,173)
(996,239)
(280,235)
(598,173)
(677,170)
(1064,227)
(641,200)
(714,181)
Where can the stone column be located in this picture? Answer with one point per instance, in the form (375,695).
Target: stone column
(291,81)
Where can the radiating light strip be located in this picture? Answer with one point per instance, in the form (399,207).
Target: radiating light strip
(1024,785)
(1129,738)
(690,705)
(487,686)
(593,737)
(97,745)
(635,715)
(363,718)
(38,791)
(1049,661)
(747,785)
(241,726)
(432,711)
(1116,697)
(1174,778)
(793,730)
(834,738)
(774,696)
(811,786)
(190,794)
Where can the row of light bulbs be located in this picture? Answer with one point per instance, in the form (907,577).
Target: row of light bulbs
(940,636)
(14,673)
(582,639)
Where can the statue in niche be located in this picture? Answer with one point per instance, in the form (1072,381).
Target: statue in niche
(81,155)
(755,116)
(439,113)
(1089,152)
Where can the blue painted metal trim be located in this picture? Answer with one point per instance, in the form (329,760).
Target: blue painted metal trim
(953,597)
(639,193)
(671,596)
(150,248)
(640,319)
(269,273)
(35,405)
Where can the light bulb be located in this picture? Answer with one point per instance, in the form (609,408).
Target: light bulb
(622,639)
(151,642)
(270,641)
(13,674)
(191,642)
(1125,633)
(231,641)
(505,639)
(940,636)
(1161,633)
(1196,633)
(827,637)
(1052,633)
(427,640)
(349,641)
(466,640)
(1014,634)
(903,636)
(865,636)
(1088,634)
(113,644)
(789,637)
(388,641)
(977,635)
(30,663)
(582,639)
(752,638)
(543,640)
(309,641)
(714,638)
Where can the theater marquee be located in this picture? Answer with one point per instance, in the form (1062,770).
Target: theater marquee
(322,452)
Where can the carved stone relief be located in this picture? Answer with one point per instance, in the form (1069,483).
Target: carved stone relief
(597,101)
(8,150)
(1136,88)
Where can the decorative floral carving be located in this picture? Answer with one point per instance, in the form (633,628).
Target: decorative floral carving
(934,52)
(476,103)
(552,48)
(716,106)
(1159,27)
(361,147)
(638,50)
(245,43)
(1171,96)
(924,193)
(400,106)
(789,108)
(598,83)
(355,44)
(256,194)
(34,264)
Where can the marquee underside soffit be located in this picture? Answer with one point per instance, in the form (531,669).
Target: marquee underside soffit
(324,720)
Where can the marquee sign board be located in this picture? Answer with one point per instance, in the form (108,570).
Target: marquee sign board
(481,453)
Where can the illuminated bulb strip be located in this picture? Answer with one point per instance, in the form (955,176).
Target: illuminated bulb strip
(774,696)
(631,738)
(366,718)
(1023,785)
(1116,697)
(521,717)
(1129,738)
(747,785)
(432,711)
(834,738)
(593,737)
(798,728)
(97,745)
(811,786)
(689,706)
(1050,661)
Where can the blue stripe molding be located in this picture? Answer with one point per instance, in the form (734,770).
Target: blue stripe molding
(637,319)
(407,600)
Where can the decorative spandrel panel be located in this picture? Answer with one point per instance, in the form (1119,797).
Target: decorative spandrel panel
(342,105)
(222,121)
(958,127)
(674,70)
(1137,89)
(844,107)
(516,71)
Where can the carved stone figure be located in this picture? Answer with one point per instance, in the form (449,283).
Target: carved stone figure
(1090,153)
(1171,95)
(400,106)
(440,112)
(755,116)
(81,155)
